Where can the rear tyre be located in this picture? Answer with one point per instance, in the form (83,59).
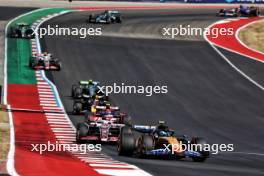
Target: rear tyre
(256,14)
(73,90)
(19,33)
(126,130)
(82,131)
(77,108)
(78,92)
(126,144)
(90,19)
(204,154)
(58,64)
(118,20)
(31,63)
(108,21)
(146,144)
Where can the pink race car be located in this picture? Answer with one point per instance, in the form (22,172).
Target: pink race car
(104,125)
(44,61)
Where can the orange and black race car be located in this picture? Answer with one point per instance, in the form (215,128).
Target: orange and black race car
(160,141)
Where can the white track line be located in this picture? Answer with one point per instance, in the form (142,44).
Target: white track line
(10,160)
(238,39)
(230,63)
(70,138)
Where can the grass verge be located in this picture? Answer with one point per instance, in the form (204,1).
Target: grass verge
(253,36)
(4,141)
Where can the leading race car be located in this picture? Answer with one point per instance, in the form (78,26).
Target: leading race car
(44,61)
(21,30)
(104,125)
(159,141)
(108,16)
(243,10)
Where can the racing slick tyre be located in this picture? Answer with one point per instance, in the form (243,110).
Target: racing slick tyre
(118,20)
(82,131)
(29,33)
(204,154)
(17,33)
(77,108)
(58,64)
(33,62)
(78,92)
(90,19)
(126,145)
(108,21)
(256,13)
(145,143)
(30,63)
(125,130)
(73,90)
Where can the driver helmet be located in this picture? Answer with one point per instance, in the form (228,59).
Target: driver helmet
(162,125)
(93,109)
(162,133)
(90,82)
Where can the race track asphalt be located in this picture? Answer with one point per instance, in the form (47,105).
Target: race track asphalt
(7,13)
(206,96)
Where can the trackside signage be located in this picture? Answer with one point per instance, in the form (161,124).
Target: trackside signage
(226,1)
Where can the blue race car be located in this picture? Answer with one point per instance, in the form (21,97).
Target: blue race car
(107,17)
(160,141)
(243,10)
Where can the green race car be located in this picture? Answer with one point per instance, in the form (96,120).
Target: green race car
(21,30)
(84,88)
(107,17)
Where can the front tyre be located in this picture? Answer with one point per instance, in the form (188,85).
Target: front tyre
(77,108)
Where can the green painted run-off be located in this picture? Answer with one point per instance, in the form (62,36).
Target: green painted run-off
(19,50)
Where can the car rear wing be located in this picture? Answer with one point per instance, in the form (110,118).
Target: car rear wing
(104,107)
(22,24)
(143,128)
(87,82)
(114,11)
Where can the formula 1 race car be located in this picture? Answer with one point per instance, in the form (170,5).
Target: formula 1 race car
(88,88)
(159,141)
(109,111)
(44,61)
(82,105)
(21,30)
(108,16)
(243,10)
(86,102)
(102,126)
